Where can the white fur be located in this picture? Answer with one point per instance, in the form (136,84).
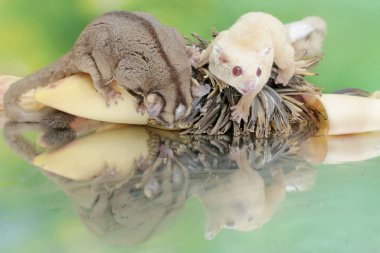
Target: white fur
(298,30)
(255,41)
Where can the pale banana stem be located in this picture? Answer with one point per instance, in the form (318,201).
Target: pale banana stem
(351,114)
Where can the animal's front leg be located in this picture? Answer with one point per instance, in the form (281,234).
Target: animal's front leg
(284,60)
(237,154)
(131,74)
(284,75)
(241,110)
(138,99)
(240,156)
(140,107)
(199,90)
(86,63)
(108,92)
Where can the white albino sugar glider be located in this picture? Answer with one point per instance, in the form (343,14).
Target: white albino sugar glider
(243,55)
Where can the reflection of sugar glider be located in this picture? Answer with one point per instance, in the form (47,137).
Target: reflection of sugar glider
(241,201)
(307,36)
(146,58)
(243,55)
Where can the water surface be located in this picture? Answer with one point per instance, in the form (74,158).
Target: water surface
(135,189)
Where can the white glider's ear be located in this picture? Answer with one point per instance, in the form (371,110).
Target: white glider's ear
(217,49)
(265,51)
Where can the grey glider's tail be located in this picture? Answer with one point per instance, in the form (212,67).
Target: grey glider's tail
(64,66)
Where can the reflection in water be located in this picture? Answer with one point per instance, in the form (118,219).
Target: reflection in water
(129,183)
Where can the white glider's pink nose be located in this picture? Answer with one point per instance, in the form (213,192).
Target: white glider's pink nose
(248,87)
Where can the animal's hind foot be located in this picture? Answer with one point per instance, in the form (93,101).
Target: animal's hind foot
(110,95)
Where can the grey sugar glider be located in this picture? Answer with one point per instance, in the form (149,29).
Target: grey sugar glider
(143,56)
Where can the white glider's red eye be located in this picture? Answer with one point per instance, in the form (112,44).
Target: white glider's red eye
(237,71)
(258,72)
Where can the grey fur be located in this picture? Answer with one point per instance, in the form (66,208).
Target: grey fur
(135,49)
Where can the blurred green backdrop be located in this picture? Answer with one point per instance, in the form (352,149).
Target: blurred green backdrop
(34,33)
(36,217)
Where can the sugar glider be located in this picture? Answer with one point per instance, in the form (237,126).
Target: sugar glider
(241,201)
(143,56)
(243,55)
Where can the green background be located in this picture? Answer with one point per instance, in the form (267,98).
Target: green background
(34,33)
(335,216)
